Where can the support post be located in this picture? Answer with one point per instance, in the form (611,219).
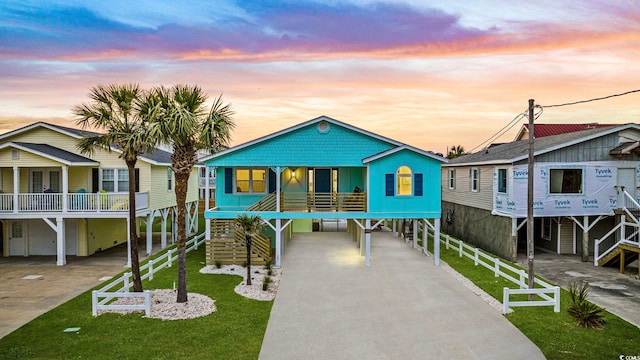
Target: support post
(367,241)
(436,242)
(164,213)
(278,242)
(585,239)
(415,233)
(61,246)
(425,238)
(150,218)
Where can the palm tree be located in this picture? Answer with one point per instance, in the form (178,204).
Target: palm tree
(455,151)
(188,127)
(250,226)
(123,111)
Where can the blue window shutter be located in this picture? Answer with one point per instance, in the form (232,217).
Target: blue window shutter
(272,181)
(228,180)
(389,184)
(417,190)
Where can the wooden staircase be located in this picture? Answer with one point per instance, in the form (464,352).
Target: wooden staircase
(621,255)
(227,246)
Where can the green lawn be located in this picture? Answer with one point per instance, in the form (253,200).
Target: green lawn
(234,331)
(554,333)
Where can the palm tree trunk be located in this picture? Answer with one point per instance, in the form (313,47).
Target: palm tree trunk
(133,236)
(182,182)
(248,239)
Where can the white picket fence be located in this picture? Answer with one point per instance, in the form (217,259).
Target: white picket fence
(120,287)
(549,294)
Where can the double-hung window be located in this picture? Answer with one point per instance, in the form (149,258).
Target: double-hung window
(251,180)
(452,179)
(475,179)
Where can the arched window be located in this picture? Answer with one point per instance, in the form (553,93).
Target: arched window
(403,180)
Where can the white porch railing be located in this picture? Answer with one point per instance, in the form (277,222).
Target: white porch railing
(547,294)
(121,287)
(76,202)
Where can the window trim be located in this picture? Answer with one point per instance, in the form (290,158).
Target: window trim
(505,171)
(404,176)
(561,193)
(169,179)
(251,169)
(474,182)
(452,179)
(115,180)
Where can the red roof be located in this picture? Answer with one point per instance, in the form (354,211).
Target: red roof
(542,130)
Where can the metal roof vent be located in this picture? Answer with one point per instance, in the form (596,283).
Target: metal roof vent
(323,126)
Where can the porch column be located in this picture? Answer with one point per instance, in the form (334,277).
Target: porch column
(150,218)
(128,244)
(415,233)
(278,242)
(367,241)
(65,188)
(206,188)
(278,170)
(207,229)
(436,242)
(61,246)
(393,225)
(16,188)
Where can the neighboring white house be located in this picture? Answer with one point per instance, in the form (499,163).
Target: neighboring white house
(55,201)
(585,188)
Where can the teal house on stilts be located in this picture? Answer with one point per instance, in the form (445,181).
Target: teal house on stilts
(300,177)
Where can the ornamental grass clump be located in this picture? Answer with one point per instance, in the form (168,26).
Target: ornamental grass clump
(265,283)
(587,314)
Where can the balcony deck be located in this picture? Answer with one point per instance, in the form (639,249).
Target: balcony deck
(30,203)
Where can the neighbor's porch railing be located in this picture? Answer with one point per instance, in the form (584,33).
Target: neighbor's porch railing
(619,234)
(76,202)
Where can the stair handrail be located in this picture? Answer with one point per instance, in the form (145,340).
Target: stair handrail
(627,197)
(597,242)
(267,203)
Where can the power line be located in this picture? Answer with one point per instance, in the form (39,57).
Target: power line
(590,100)
(501,132)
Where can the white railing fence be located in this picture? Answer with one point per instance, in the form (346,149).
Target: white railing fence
(550,294)
(625,232)
(121,287)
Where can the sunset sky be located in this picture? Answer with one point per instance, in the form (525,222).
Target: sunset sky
(428,73)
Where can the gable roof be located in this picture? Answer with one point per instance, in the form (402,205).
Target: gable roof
(299,126)
(404,147)
(542,130)
(518,150)
(155,157)
(51,152)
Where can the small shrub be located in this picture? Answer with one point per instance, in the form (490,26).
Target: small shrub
(244,264)
(269,272)
(268,264)
(265,283)
(587,315)
(218,264)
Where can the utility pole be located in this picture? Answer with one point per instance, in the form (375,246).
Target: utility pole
(530,247)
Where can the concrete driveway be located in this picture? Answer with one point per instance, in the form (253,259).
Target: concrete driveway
(34,285)
(331,306)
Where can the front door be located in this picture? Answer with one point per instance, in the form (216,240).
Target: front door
(626,178)
(322,181)
(45,180)
(17,246)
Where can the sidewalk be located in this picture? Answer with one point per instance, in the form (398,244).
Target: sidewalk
(331,306)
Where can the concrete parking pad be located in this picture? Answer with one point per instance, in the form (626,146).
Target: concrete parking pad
(331,306)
